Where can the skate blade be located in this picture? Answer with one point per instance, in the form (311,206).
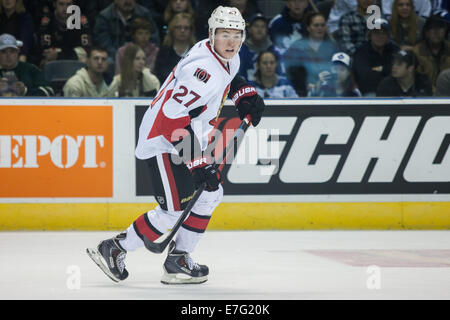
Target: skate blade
(180,278)
(98,259)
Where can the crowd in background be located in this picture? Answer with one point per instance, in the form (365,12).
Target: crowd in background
(293,48)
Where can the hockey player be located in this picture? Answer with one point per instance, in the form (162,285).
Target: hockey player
(189,100)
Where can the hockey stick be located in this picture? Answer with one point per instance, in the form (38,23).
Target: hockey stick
(159,247)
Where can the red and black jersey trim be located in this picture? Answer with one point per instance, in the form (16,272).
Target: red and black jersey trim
(142,226)
(166,126)
(227,67)
(196,223)
(172,184)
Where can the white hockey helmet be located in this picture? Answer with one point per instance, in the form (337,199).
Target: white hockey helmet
(228,18)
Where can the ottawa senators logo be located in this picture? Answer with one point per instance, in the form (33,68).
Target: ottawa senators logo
(202,75)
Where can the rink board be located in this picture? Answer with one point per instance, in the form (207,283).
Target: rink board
(235,216)
(68,164)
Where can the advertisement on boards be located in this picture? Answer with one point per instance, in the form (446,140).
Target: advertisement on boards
(56,151)
(333,149)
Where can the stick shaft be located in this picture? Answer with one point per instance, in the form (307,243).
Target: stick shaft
(159,247)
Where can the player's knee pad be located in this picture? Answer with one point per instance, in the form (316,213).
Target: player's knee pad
(155,223)
(164,218)
(208,201)
(196,223)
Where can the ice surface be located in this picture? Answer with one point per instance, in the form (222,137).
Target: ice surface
(256,265)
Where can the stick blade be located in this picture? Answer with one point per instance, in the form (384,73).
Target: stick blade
(154,247)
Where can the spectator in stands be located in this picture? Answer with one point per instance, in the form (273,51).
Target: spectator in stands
(141,30)
(443,84)
(153,5)
(92,8)
(406,25)
(422,8)
(8,87)
(55,41)
(256,41)
(112,26)
(404,80)
(15,20)
(179,39)
(135,80)
(38,9)
(247,8)
(353,27)
(306,58)
(90,81)
(433,52)
(173,7)
(339,8)
(441,8)
(157,7)
(267,82)
(337,83)
(323,6)
(19,78)
(373,60)
(288,27)
(203,11)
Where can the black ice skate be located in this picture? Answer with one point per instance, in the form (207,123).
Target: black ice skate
(179,268)
(110,256)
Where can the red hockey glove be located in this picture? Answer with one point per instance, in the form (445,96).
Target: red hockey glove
(246,100)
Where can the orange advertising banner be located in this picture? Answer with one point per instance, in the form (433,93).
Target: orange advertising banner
(56,151)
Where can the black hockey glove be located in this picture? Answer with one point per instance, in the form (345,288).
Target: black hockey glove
(199,163)
(209,174)
(204,171)
(246,100)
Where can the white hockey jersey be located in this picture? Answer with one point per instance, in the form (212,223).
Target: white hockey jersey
(199,80)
